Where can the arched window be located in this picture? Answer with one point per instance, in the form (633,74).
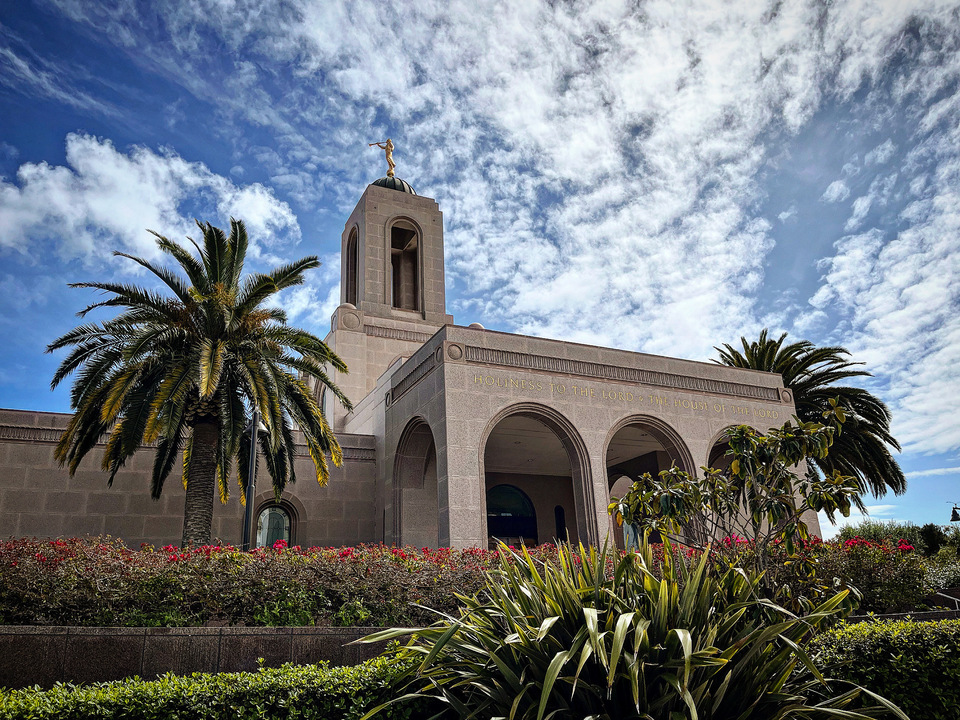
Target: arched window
(272,525)
(510,515)
(404,266)
(351,279)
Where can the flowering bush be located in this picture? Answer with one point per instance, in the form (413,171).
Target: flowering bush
(943,570)
(890,575)
(102,582)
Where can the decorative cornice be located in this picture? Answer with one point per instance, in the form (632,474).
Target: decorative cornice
(51,436)
(354,454)
(396,333)
(583,368)
(413,377)
(28,433)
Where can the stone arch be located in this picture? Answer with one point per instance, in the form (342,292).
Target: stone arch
(715,449)
(638,444)
(662,432)
(404,263)
(415,499)
(573,445)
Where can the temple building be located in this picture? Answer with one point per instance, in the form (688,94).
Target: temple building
(458,434)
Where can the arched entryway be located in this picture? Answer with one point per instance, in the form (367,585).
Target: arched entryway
(717,457)
(416,511)
(536,479)
(636,445)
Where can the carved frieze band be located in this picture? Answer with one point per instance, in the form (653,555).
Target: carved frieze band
(30,434)
(349,453)
(614,372)
(396,334)
(413,377)
(24,433)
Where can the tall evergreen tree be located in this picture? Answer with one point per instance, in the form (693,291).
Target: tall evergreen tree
(812,373)
(186,371)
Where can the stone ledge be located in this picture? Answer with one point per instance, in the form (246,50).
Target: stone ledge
(40,655)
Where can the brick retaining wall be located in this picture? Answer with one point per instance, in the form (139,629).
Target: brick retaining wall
(35,655)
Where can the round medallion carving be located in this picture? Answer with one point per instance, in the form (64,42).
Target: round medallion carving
(455,352)
(438,355)
(351,321)
(786,396)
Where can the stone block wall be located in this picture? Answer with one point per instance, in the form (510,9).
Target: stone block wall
(47,655)
(40,499)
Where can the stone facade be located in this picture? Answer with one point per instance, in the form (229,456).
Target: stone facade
(449,426)
(38,498)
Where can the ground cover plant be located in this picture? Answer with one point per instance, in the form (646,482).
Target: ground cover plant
(311,692)
(914,664)
(590,635)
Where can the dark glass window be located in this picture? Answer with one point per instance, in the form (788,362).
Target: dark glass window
(510,515)
(272,525)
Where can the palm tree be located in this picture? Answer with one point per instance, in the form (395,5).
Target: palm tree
(186,371)
(861,448)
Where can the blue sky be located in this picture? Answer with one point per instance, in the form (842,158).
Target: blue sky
(655,176)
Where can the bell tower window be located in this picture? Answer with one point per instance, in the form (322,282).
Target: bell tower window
(350,281)
(405,266)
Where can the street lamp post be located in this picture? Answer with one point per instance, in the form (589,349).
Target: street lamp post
(253,428)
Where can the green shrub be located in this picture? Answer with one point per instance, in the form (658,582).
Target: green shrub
(933,538)
(943,570)
(601,636)
(304,692)
(914,664)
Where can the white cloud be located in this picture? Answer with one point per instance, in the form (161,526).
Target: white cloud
(600,165)
(104,200)
(880,154)
(933,472)
(37,76)
(837,191)
(898,292)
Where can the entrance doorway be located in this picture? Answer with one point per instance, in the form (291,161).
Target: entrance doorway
(640,445)
(529,483)
(415,501)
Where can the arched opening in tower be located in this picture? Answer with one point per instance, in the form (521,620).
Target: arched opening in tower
(405,266)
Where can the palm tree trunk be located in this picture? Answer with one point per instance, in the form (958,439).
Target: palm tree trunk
(201,481)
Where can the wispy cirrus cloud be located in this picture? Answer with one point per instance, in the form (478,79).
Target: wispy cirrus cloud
(602,167)
(38,76)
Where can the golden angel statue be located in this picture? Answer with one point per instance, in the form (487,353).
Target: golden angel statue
(387,147)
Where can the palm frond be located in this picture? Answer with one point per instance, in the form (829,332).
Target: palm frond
(812,373)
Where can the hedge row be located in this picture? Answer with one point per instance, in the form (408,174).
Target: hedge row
(309,692)
(914,664)
(101,582)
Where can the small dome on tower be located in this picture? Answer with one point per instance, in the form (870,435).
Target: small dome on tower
(395,183)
